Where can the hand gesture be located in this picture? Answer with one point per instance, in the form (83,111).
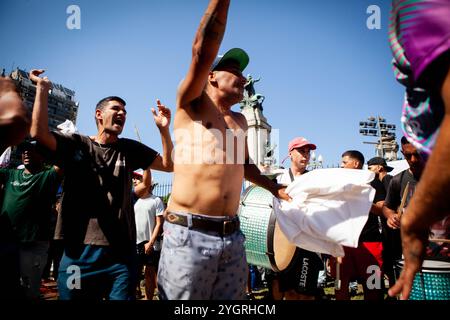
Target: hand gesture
(41,82)
(162,117)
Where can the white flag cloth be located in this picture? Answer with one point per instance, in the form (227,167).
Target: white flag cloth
(67,127)
(329,209)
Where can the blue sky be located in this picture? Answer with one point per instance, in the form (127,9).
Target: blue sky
(322,70)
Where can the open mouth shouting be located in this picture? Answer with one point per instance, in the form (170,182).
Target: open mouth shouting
(119,121)
(26,160)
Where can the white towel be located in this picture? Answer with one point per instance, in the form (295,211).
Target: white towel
(329,209)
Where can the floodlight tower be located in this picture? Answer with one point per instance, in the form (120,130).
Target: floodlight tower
(386,146)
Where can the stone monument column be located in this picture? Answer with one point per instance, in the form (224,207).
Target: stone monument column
(258,134)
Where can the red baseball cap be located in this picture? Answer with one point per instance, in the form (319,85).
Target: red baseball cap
(299,142)
(138,173)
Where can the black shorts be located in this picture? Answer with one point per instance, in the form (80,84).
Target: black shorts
(303,274)
(151,259)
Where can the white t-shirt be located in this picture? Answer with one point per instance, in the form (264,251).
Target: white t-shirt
(146,210)
(285,178)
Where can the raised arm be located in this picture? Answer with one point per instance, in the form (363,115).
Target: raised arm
(14,120)
(39,120)
(204,50)
(162,120)
(141,189)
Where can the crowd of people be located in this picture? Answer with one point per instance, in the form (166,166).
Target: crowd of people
(110,225)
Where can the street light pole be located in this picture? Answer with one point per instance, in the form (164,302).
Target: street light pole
(315,163)
(379,119)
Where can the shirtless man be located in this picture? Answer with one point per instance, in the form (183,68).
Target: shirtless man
(203,254)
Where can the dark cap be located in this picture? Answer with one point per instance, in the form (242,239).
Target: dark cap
(379,161)
(235,54)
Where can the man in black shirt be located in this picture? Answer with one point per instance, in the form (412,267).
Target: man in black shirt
(97,217)
(401,186)
(381,169)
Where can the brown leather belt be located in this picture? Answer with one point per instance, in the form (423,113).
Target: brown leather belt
(221,227)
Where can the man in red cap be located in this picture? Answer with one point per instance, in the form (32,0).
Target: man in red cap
(299,282)
(299,152)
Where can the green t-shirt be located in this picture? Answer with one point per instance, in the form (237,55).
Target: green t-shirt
(27,203)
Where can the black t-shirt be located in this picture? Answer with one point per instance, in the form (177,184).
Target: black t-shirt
(393,200)
(371,230)
(96,206)
(386,181)
(397,188)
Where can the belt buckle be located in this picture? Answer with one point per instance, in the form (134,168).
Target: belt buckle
(177,219)
(172,218)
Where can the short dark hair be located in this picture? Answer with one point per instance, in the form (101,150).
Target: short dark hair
(354,154)
(404,141)
(104,101)
(101,104)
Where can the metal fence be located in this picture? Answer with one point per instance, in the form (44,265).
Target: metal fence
(162,189)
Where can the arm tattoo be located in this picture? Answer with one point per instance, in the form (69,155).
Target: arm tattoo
(212,28)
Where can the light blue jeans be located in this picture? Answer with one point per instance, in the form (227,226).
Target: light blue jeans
(201,265)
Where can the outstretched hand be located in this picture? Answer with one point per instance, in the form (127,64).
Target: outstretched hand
(162,117)
(42,82)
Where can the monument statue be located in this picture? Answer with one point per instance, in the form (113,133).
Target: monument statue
(251,98)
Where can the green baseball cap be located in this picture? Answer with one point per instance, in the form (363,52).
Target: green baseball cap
(235,54)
